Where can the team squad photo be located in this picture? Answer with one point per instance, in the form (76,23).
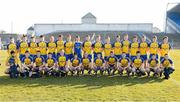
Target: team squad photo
(34,57)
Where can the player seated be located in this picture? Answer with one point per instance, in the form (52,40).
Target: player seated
(62,65)
(153,66)
(26,65)
(167,65)
(75,65)
(50,64)
(99,64)
(111,64)
(86,64)
(124,64)
(138,65)
(39,65)
(12,63)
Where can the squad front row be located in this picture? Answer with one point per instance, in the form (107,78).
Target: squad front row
(60,67)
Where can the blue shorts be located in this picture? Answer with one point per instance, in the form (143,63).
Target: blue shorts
(79,55)
(118,56)
(62,69)
(150,56)
(32,56)
(44,56)
(144,57)
(132,57)
(21,56)
(69,56)
(98,68)
(95,55)
(90,56)
(161,58)
(127,55)
(54,55)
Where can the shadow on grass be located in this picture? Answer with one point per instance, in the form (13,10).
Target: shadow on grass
(92,82)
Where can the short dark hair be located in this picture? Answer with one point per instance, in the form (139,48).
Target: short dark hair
(27,51)
(49,53)
(138,52)
(165,37)
(41,36)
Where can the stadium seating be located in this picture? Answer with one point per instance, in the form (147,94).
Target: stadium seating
(175,17)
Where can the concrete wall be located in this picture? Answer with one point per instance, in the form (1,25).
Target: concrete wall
(48,28)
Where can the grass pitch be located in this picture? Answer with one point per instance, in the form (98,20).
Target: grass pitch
(91,88)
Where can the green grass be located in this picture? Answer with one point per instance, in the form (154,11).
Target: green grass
(91,88)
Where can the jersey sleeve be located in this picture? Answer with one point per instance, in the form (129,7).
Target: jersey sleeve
(171,62)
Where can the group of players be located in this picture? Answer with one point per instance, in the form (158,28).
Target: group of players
(59,58)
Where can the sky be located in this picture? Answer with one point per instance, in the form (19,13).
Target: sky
(18,15)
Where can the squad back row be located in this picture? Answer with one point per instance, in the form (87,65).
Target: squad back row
(134,57)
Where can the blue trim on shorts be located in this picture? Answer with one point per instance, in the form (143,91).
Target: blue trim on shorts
(21,56)
(69,56)
(144,57)
(118,56)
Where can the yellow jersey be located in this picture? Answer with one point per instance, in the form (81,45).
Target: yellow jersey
(125,46)
(50,61)
(11,47)
(87,47)
(164,49)
(134,47)
(99,62)
(86,62)
(42,47)
(107,49)
(62,61)
(124,62)
(138,62)
(143,48)
(51,47)
(33,48)
(23,47)
(60,45)
(27,60)
(68,47)
(117,47)
(75,62)
(39,61)
(153,62)
(153,48)
(98,47)
(166,62)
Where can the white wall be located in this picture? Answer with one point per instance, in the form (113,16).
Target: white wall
(48,28)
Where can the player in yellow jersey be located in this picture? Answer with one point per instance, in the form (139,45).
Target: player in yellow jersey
(52,47)
(125,45)
(33,47)
(111,64)
(138,65)
(167,65)
(68,48)
(154,47)
(99,64)
(153,66)
(87,47)
(97,47)
(124,64)
(42,45)
(11,46)
(75,65)
(26,65)
(143,48)
(86,64)
(117,47)
(134,47)
(39,65)
(51,63)
(60,45)
(23,47)
(107,48)
(164,47)
(62,65)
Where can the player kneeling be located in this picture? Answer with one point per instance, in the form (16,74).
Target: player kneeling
(124,64)
(75,65)
(138,65)
(111,64)
(50,65)
(62,66)
(26,65)
(39,65)
(153,66)
(12,62)
(86,64)
(99,65)
(167,65)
